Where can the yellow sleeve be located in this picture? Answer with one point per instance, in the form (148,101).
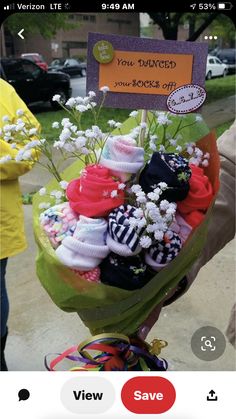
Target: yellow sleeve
(12,169)
(10,102)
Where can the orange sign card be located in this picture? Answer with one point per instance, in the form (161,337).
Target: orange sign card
(141,73)
(146,72)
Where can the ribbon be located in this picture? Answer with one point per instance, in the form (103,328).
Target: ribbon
(113,352)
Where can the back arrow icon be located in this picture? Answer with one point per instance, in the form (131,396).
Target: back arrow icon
(20,34)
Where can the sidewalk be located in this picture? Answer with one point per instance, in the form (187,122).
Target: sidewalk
(220,111)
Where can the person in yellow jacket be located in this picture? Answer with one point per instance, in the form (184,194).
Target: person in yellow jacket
(12,235)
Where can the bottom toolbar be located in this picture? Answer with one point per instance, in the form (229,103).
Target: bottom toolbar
(65,395)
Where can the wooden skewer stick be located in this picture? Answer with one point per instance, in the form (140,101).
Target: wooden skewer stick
(142,131)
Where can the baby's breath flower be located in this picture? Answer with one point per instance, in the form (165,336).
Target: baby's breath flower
(143,125)
(142,223)
(158,234)
(150,205)
(172,142)
(44,205)
(194,161)
(5,159)
(104,89)
(152,146)
(5,118)
(121,186)
(55,124)
(56,98)
(162,119)
(198,118)
(81,108)
(63,184)
(111,123)
(133,222)
(19,112)
(164,204)
(85,151)
(114,194)
(42,191)
(33,131)
(162,148)
(133,114)
(190,150)
(71,102)
(141,198)
(205,163)
(136,188)
(7,127)
(152,196)
(162,185)
(145,242)
(65,134)
(138,213)
(27,155)
(58,195)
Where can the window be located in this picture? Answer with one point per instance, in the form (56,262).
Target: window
(211,61)
(80,17)
(74,44)
(30,69)
(20,70)
(119,21)
(218,61)
(71,61)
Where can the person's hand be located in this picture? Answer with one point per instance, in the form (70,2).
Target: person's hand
(169,299)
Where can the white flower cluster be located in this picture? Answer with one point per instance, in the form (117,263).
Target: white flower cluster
(198,158)
(19,128)
(152,213)
(56,196)
(163,118)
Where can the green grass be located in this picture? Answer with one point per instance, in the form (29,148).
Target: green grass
(219,88)
(47,118)
(222,128)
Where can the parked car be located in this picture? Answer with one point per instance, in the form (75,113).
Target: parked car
(227,56)
(215,68)
(32,83)
(69,66)
(37,59)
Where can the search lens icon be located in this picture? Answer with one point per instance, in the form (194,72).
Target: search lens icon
(208,343)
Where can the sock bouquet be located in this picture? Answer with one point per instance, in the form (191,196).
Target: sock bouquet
(123,224)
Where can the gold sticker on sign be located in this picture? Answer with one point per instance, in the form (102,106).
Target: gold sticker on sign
(103,52)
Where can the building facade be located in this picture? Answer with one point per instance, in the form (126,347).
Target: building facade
(73,42)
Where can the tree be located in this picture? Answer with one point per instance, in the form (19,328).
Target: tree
(47,24)
(223,27)
(169,23)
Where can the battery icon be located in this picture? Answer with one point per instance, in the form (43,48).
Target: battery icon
(224,6)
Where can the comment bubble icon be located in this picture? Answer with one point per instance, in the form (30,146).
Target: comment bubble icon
(23,394)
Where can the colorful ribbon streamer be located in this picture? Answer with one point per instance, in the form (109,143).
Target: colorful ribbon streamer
(113,352)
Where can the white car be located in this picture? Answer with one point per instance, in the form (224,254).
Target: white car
(215,67)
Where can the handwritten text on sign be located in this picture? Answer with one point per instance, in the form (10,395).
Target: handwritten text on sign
(144,72)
